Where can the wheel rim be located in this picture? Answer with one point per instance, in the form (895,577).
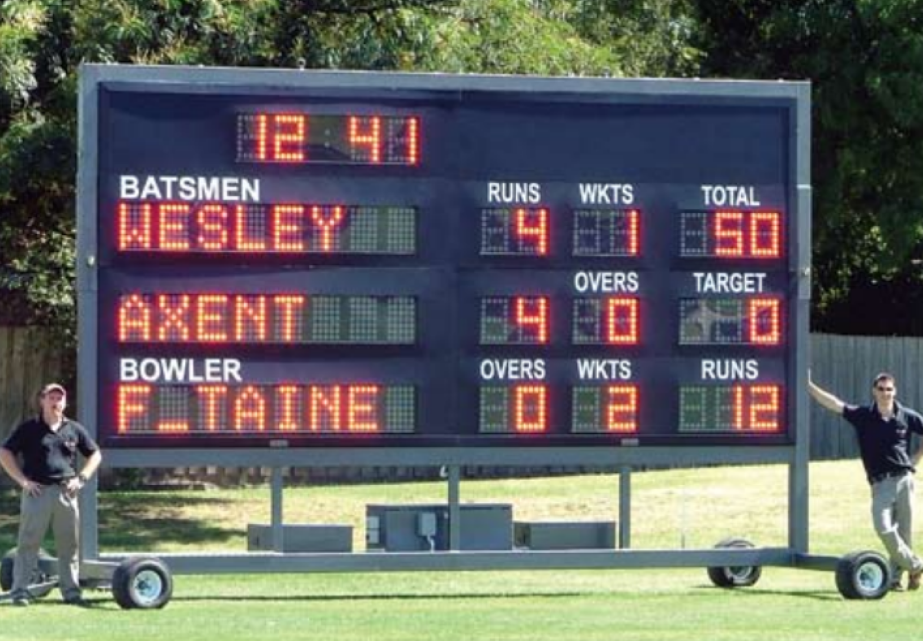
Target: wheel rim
(740,572)
(147,587)
(870,577)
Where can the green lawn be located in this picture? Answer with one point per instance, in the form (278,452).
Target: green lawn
(670,508)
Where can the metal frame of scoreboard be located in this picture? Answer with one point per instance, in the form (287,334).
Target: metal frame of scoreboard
(791,98)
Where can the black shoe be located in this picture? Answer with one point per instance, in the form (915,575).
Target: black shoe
(21,601)
(77,601)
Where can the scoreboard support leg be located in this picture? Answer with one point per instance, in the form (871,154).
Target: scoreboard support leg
(624,507)
(276,516)
(454,508)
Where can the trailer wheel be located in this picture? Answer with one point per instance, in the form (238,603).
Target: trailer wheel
(41,584)
(144,583)
(735,576)
(863,575)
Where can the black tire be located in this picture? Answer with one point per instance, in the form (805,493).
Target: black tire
(6,572)
(39,578)
(735,576)
(143,583)
(864,575)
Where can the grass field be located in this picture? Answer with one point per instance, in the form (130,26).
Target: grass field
(671,509)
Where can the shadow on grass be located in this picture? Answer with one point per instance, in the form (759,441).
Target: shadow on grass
(819,595)
(813,594)
(136,521)
(151,520)
(389,597)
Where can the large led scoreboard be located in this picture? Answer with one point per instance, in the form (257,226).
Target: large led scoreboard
(314,261)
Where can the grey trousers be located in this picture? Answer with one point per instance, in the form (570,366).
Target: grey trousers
(52,506)
(892,516)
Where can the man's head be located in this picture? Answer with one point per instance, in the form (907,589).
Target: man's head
(53,401)
(884,389)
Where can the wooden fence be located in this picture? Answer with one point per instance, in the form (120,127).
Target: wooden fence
(844,365)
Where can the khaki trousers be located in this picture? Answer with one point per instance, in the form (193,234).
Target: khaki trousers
(53,506)
(892,516)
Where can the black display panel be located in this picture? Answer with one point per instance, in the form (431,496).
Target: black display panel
(349,266)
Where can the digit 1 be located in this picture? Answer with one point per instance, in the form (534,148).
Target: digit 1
(634,241)
(737,407)
(729,234)
(370,138)
(413,141)
(532,312)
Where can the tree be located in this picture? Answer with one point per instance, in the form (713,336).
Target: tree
(43,42)
(865,61)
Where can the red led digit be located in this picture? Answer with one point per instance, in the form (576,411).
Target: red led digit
(737,407)
(532,225)
(327,222)
(413,141)
(287,221)
(765,234)
(326,400)
(213,227)
(133,401)
(764,408)
(532,313)
(249,409)
(634,232)
(764,318)
(289,135)
(241,239)
(365,131)
(134,226)
(262,134)
(530,408)
(288,402)
(174,226)
(287,309)
(729,233)
(361,408)
(249,318)
(212,318)
(173,317)
(211,398)
(622,320)
(622,408)
(134,319)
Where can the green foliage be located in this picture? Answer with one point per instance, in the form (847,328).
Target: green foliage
(43,42)
(865,61)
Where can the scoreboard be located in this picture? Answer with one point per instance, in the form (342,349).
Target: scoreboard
(359,260)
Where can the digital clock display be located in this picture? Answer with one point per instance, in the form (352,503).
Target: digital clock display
(303,138)
(447,263)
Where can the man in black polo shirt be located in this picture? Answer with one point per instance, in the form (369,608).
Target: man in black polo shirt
(884,429)
(48,446)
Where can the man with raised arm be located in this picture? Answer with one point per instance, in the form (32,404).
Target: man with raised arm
(883,428)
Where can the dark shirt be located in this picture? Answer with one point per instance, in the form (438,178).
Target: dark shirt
(50,457)
(884,444)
